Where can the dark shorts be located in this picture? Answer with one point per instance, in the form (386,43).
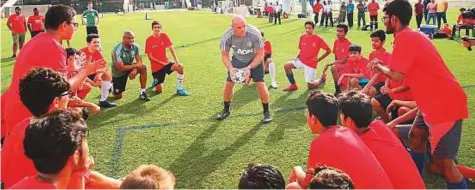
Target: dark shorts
(449,143)
(119,83)
(384,101)
(91,76)
(91,30)
(267,56)
(257,74)
(160,75)
(34,33)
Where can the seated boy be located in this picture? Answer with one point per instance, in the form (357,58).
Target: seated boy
(338,147)
(261,176)
(445,32)
(392,90)
(358,70)
(356,114)
(377,80)
(324,177)
(149,177)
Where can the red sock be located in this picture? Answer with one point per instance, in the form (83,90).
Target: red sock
(466,172)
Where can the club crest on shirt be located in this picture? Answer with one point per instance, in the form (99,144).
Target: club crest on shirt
(154,46)
(314,44)
(249,44)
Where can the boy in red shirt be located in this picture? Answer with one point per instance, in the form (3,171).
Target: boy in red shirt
(59,25)
(356,114)
(335,144)
(62,161)
(43,91)
(373,8)
(36,23)
(377,79)
(155,48)
(269,66)
(445,32)
(341,48)
(99,79)
(358,74)
(462,23)
(309,46)
(444,112)
(17,25)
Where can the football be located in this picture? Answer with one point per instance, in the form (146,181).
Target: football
(240,76)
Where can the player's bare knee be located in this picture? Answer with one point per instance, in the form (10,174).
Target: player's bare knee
(107,76)
(288,67)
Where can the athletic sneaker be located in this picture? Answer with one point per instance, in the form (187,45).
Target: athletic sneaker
(144,96)
(154,83)
(182,92)
(273,85)
(267,118)
(223,115)
(292,87)
(107,104)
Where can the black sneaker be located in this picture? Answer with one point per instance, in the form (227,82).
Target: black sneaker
(144,96)
(267,118)
(13,57)
(223,115)
(107,104)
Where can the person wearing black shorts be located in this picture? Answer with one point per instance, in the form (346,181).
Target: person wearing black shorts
(248,52)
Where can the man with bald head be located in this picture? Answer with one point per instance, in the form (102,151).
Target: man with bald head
(127,63)
(248,52)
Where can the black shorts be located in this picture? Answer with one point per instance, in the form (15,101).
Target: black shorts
(378,87)
(267,56)
(91,76)
(384,101)
(34,33)
(160,75)
(91,30)
(119,83)
(257,74)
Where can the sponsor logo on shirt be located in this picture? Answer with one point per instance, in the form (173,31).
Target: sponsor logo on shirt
(244,51)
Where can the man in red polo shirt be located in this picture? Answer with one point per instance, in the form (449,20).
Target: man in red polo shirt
(373,8)
(156,49)
(309,46)
(341,49)
(17,25)
(44,51)
(443,112)
(338,147)
(36,23)
(356,114)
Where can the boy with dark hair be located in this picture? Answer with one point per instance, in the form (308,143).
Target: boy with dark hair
(422,71)
(356,114)
(358,74)
(43,51)
(42,91)
(58,147)
(341,48)
(310,45)
(334,144)
(261,176)
(149,177)
(324,177)
(377,80)
(155,49)
(101,79)
(269,66)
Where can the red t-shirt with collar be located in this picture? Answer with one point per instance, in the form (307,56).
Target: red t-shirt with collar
(341,148)
(341,48)
(393,157)
(383,56)
(359,66)
(435,89)
(157,46)
(373,8)
(309,48)
(267,47)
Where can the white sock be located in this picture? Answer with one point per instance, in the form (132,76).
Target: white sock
(142,90)
(106,85)
(179,81)
(272,72)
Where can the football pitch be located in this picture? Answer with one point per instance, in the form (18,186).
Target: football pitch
(181,134)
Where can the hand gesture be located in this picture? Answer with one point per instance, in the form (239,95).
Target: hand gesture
(133,74)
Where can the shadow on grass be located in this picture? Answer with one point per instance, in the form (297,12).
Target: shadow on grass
(136,108)
(192,167)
